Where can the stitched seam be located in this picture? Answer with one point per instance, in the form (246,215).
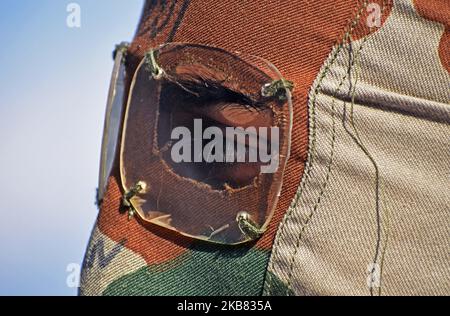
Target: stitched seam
(327,177)
(310,164)
(309,216)
(308,167)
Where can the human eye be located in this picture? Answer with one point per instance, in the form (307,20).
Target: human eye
(200,95)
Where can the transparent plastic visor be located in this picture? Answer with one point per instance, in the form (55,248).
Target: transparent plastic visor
(205,142)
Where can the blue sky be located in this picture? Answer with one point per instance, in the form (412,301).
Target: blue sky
(53,88)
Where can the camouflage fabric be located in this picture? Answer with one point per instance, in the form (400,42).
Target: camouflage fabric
(365,195)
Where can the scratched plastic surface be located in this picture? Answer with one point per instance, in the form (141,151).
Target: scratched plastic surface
(207,141)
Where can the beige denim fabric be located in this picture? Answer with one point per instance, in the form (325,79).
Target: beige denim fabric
(327,242)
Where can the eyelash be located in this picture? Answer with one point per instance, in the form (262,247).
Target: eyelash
(205,93)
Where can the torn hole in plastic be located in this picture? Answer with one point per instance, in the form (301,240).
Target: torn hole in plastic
(206,91)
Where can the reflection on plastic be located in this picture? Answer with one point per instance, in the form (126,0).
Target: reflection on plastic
(113,119)
(201,95)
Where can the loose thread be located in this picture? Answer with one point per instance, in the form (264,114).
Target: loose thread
(312,151)
(357,139)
